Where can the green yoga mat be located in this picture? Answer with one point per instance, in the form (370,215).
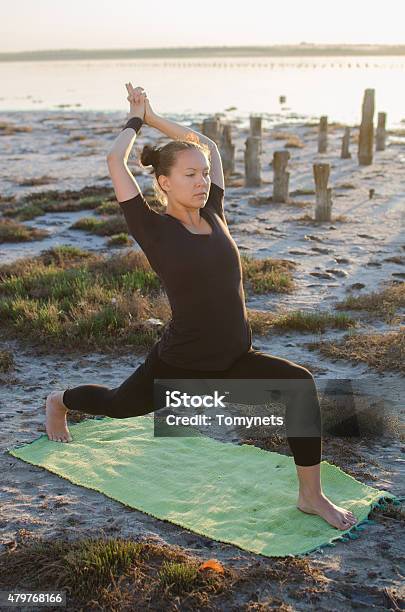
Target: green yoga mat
(237,494)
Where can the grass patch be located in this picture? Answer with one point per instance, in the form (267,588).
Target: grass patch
(262,322)
(115,224)
(381,351)
(35,204)
(24,213)
(11,231)
(383,303)
(111,573)
(267,275)
(178,577)
(117,574)
(119,240)
(108,208)
(6,361)
(71,298)
(64,255)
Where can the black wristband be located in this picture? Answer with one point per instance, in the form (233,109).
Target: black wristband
(135,123)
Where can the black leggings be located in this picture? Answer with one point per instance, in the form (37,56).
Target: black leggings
(134,397)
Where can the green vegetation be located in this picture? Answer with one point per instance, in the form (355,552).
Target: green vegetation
(10,231)
(6,361)
(382,303)
(115,224)
(264,275)
(36,204)
(119,240)
(381,351)
(108,208)
(263,322)
(69,298)
(118,574)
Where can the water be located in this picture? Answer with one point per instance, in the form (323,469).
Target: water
(314,86)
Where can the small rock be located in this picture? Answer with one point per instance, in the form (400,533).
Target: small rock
(322,275)
(321,250)
(357,286)
(337,272)
(342,260)
(271,228)
(367,236)
(312,237)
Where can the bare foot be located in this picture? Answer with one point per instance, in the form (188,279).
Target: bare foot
(56,424)
(334,515)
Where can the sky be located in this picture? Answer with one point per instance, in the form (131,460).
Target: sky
(110,24)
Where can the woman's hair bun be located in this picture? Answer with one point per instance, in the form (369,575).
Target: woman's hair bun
(149,156)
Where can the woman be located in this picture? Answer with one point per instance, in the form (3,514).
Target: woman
(209,335)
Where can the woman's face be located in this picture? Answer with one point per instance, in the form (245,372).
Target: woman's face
(189,177)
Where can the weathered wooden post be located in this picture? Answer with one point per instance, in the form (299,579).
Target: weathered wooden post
(323,134)
(252,162)
(366,135)
(227,150)
(211,127)
(256,128)
(282,99)
(345,153)
(323,207)
(380,135)
(280,176)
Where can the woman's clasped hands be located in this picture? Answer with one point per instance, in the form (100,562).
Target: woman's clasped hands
(139,105)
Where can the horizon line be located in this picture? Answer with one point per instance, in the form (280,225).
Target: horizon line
(308,46)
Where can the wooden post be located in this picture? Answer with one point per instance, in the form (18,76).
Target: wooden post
(282,99)
(345,153)
(256,129)
(323,206)
(252,162)
(280,176)
(227,151)
(380,135)
(366,136)
(211,127)
(323,134)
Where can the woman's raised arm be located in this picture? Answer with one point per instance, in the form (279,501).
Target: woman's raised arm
(125,185)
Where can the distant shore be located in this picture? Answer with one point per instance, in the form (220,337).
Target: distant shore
(301,50)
